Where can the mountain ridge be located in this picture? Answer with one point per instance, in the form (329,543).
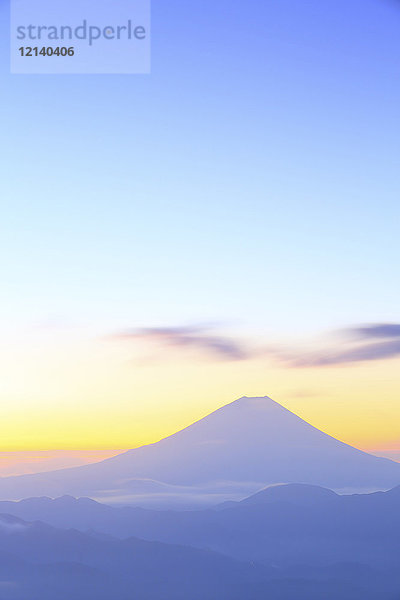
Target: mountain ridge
(229,454)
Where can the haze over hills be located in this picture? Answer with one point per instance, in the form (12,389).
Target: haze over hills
(285,542)
(231,453)
(249,529)
(38,561)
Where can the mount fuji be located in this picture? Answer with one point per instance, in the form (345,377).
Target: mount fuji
(233,452)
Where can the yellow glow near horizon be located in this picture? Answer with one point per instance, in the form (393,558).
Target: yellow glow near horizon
(97,398)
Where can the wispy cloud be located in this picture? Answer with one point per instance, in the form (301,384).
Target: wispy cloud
(190,337)
(377,330)
(355,345)
(10,526)
(364,353)
(363,343)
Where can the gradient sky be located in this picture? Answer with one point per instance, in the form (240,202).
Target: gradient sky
(244,198)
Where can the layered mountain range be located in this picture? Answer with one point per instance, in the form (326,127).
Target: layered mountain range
(289,541)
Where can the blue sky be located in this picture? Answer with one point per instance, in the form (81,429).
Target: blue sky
(251,179)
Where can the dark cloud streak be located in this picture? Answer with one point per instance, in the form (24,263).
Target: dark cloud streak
(197,338)
(364,353)
(348,352)
(379,330)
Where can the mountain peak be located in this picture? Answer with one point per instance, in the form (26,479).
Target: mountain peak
(240,422)
(257,402)
(251,399)
(249,412)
